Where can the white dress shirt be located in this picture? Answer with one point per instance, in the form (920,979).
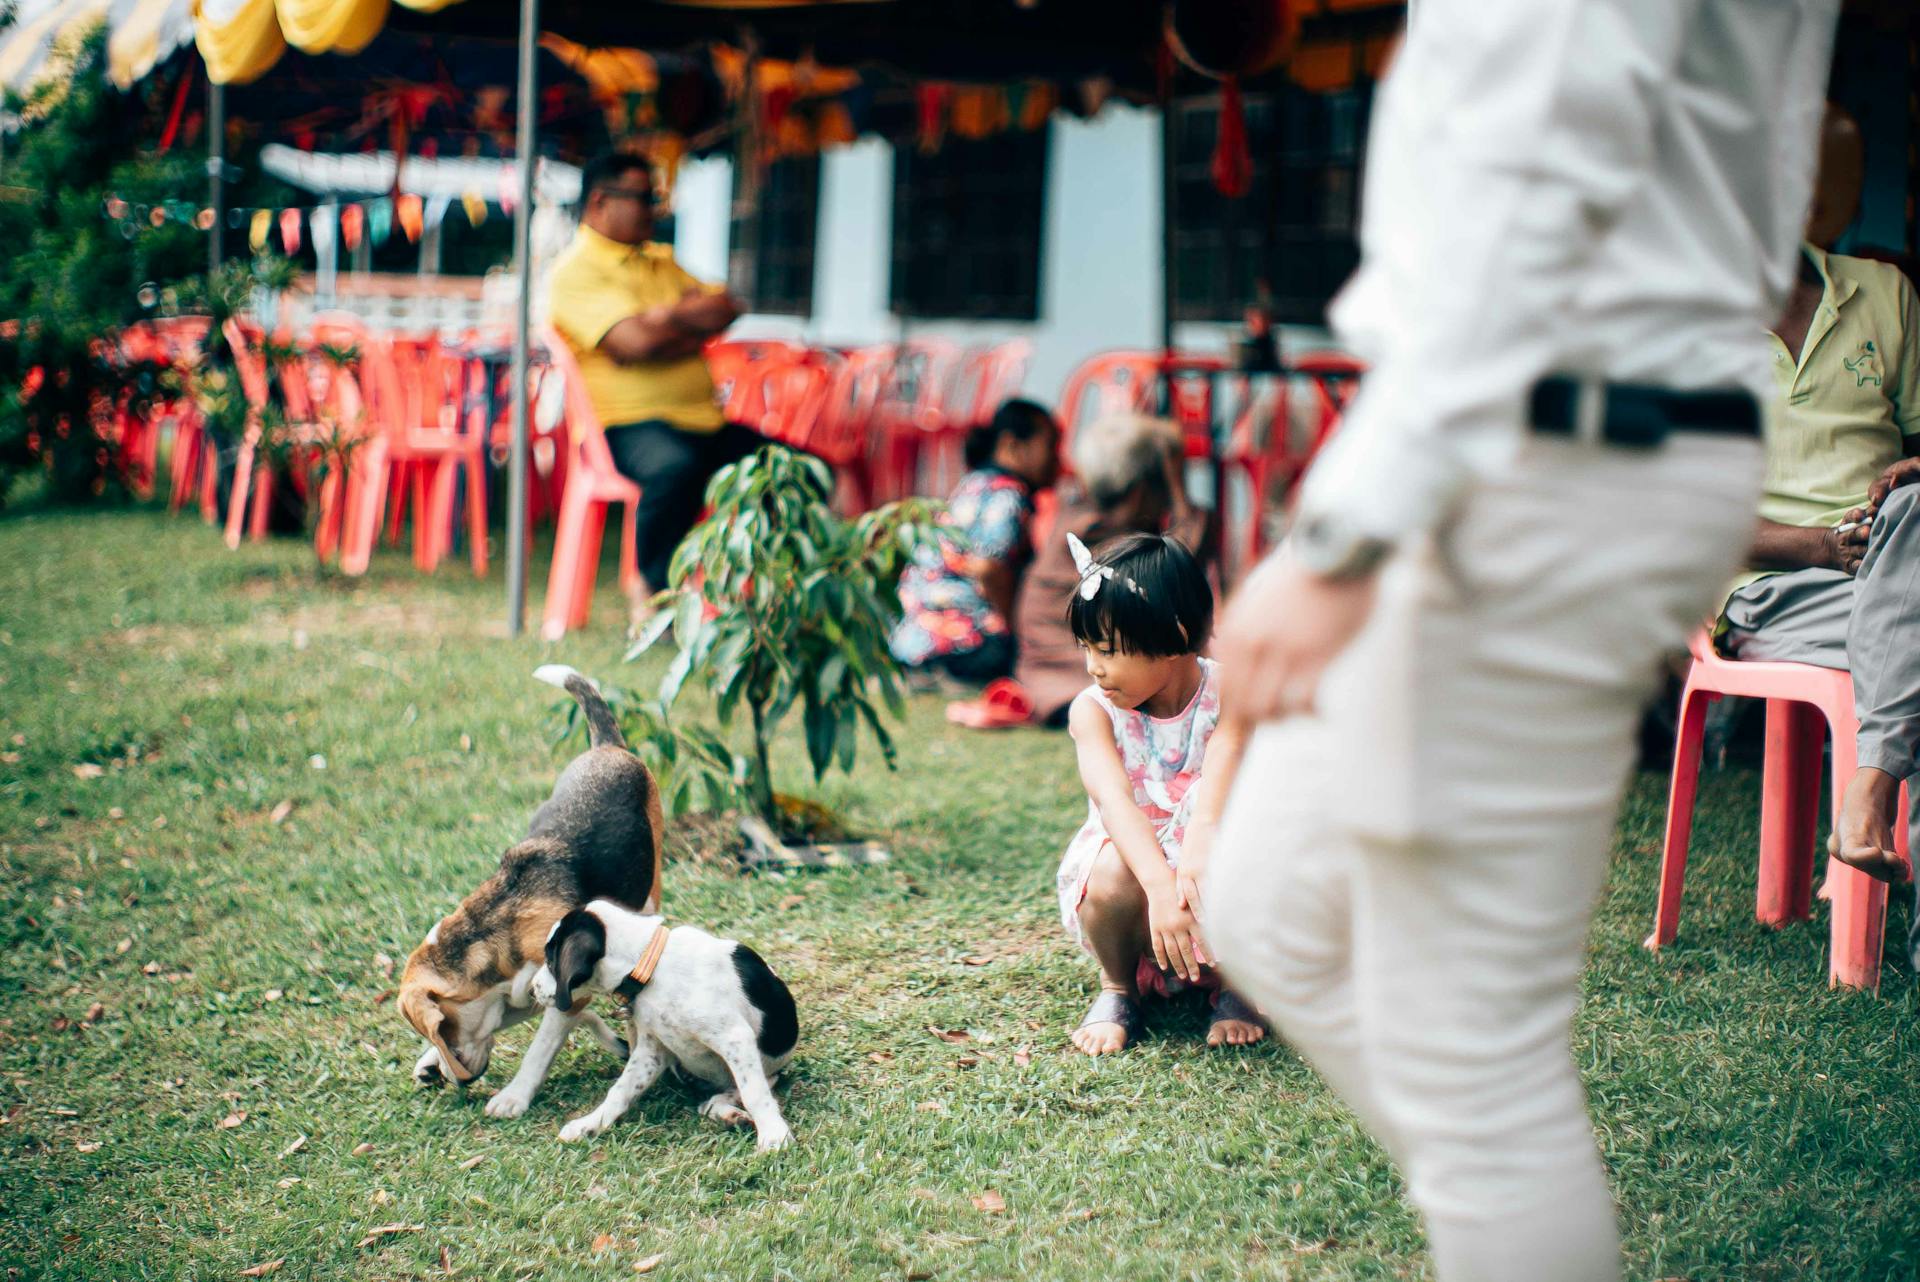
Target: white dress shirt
(1608,188)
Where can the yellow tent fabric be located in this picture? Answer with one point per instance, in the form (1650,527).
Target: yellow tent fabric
(41,41)
(331,26)
(241,39)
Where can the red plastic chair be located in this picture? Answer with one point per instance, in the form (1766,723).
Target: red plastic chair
(912,417)
(845,432)
(193,469)
(1107,383)
(423,446)
(1803,704)
(592,484)
(1262,447)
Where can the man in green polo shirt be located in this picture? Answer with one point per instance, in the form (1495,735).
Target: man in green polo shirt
(1836,553)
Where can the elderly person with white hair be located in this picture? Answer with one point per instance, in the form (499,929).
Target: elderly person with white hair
(1126,481)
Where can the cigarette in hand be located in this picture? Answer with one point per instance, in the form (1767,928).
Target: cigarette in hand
(1850,525)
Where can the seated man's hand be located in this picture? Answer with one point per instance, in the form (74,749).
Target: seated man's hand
(705,312)
(1905,472)
(1846,548)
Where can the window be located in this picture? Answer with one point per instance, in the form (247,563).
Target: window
(771,262)
(967,225)
(1297,225)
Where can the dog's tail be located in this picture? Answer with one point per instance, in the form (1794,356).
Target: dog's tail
(602,730)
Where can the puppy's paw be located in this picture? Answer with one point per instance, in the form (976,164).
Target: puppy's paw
(582,1128)
(426,1069)
(508,1103)
(774,1138)
(543,987)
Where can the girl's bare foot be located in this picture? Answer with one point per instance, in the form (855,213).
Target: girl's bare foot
(1234,1022)
(1863,835)
(1111,1024)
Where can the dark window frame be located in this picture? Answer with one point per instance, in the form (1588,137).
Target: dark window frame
(770,264)
(968,224)
(1298,225)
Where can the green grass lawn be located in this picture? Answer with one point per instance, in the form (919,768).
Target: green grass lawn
(202,1070)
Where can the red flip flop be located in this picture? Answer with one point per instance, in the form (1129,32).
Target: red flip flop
(1003,704)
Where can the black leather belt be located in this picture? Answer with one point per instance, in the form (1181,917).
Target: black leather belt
(1636,414)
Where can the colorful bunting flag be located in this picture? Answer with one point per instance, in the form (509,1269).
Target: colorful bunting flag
(290,232)
(353,224)
(380,220)
(258,230)
(408,210)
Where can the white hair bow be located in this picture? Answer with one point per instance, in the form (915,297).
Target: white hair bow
(1092,573)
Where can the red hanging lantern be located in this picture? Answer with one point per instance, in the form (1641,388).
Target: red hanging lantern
(1222,38)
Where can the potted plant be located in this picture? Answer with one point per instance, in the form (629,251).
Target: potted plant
(778,606)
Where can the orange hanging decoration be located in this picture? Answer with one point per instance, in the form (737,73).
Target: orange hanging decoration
(407,210)
(353,224)
(290,231)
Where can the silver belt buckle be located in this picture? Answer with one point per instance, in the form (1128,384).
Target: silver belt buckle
(1590,411)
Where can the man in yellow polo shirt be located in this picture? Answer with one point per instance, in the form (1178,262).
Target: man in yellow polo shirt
(1837,548)
(637,322)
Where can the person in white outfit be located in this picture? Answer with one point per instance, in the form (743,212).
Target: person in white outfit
(1580,217)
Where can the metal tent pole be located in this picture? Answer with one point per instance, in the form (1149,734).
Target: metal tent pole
(523,275)
(216,172)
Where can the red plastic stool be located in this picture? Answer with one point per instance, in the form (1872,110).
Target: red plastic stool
(1798,697)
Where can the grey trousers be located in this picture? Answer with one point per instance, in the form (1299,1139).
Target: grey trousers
(1867,625)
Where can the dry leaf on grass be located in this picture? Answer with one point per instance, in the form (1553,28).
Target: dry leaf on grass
(919,1275)
(989,1202)
(294,1147)
(274,994)
(384,963)
(280,812)
(976,961)
(380,1197)
(382,997)
(388,1230)
(94,1012)
(1313,1248)
(880,1057)
(649,1264)
(930,1106)
(287,1183)
(966,1061)
(361,1150)
(151,968)
(231,1120)
(1084,1213)
(261,1270)
(1023,1057)
(124,946)
(88,1146)
(473,1161)
(87,770)
(64,1112)
(790,902)
(446,1260)
(952,1035)
(604,1242)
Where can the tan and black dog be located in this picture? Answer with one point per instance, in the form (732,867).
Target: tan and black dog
(596,837)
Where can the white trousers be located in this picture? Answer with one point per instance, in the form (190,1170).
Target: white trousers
(1405,881)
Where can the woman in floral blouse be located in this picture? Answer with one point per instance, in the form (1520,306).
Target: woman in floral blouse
(957,597)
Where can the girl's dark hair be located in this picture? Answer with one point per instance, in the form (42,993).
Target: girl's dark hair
(1171,614)
(1022,420)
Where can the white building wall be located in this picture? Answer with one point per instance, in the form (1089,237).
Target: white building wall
(1100,264)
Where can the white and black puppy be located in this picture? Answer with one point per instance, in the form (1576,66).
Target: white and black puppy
(709,1008)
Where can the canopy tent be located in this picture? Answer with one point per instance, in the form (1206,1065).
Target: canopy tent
(962,40)
(367,174)
(38,46)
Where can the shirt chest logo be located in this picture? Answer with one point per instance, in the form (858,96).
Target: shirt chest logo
(1865,365)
